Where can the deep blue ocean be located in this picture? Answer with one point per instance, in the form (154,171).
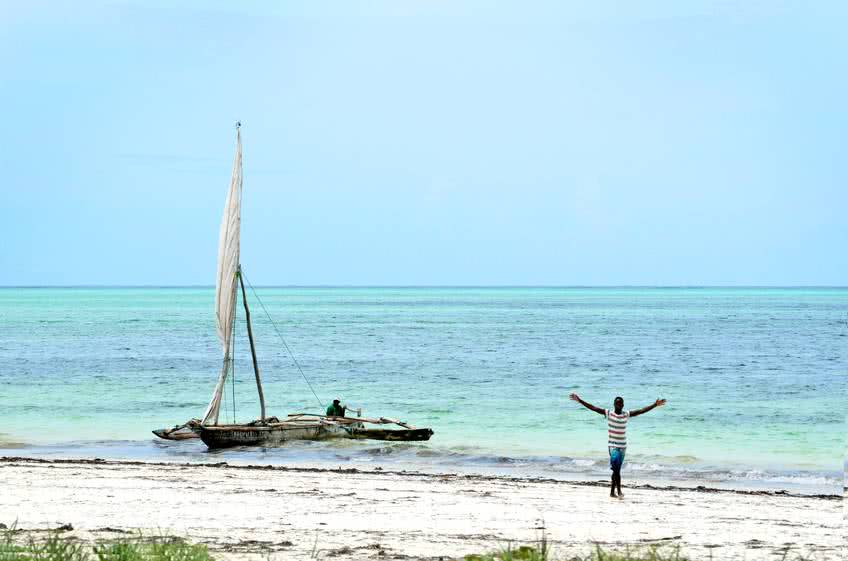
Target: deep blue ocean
(755,377)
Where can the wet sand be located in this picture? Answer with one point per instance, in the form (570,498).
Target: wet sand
(253,512)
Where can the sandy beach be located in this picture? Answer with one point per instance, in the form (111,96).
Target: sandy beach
(251,512)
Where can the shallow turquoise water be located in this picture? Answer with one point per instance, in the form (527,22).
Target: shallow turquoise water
(755,378)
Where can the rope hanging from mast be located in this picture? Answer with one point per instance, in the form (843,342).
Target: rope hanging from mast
(286,345)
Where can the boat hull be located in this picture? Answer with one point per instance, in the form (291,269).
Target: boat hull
(185,431)
(176,435)
(228,436)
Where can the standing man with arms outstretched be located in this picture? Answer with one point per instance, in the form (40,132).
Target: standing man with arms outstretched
(617,442)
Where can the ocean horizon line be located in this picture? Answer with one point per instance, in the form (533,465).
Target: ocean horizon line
(440,286)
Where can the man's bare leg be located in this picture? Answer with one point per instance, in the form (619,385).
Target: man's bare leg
(618,484)
(612,485)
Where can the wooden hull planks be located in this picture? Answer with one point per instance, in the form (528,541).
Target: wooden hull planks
(227,436)
(278,434)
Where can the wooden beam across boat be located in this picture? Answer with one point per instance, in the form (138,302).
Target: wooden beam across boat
(391,435)
(379,421)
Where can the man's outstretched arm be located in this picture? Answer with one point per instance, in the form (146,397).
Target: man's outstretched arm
(657,403)
(586,404)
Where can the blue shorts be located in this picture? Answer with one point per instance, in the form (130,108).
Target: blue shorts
(616,458)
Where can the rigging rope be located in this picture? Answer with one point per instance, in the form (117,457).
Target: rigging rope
(286,345)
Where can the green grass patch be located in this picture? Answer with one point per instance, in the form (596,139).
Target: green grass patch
(542,552)
(55,547)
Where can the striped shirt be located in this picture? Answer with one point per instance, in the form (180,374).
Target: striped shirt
(617,424)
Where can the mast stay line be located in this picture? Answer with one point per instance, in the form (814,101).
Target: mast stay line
(280,335)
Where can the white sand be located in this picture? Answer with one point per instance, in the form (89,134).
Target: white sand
(244,513)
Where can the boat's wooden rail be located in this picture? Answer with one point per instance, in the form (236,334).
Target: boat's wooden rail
(348,420)
(296,420)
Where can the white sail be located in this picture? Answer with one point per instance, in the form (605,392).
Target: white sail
(226,283)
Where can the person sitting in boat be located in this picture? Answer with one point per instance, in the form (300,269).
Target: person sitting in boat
(336,409)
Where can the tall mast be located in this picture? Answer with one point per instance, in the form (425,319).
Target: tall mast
(252,347)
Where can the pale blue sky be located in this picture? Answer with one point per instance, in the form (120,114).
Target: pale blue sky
(426,142)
